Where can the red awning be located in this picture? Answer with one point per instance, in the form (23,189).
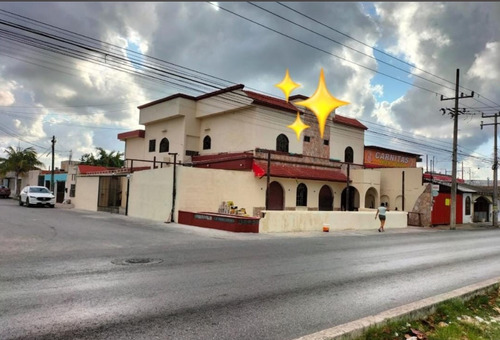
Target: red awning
(292,171)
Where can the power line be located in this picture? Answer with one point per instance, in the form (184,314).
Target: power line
(320,49)
(125,62)
(375,49)
(346,46)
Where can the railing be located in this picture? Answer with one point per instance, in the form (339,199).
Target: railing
(414,219)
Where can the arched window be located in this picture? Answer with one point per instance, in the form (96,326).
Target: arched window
(301,195)
(467,205)
(349,155)
(164,145)
(282,143)
(207,143)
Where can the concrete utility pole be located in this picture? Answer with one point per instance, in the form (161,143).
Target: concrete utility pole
(455,114)
(495,167)
(174,187)
(52,172)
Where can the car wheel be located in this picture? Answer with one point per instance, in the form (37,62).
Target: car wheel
(27,202)
(52,205)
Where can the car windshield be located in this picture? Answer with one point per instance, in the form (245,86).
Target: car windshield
(42,190)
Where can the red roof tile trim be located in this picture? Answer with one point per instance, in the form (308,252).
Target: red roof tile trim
(221,91)
(271,101)
(48,172)
(282,104)
(177,95)
(85,169)
(442,178)
(185,96)
(287,171)
(348,121)
(131,134)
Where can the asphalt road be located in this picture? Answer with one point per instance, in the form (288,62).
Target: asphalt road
(63,275)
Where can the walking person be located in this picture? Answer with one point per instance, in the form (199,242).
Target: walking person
(381,215)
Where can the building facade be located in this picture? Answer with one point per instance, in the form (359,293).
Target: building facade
(238,131)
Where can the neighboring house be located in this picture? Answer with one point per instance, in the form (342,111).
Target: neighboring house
(71,168)
(105,196)
(474,203)
(9,181)
(60,177)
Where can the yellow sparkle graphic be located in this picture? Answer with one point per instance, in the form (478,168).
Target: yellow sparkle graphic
(298,126)
(287,85)
(321,103)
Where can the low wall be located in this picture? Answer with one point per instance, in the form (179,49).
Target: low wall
(287,221)
(237,224)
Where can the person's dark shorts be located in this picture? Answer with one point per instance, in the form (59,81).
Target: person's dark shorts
(382,217)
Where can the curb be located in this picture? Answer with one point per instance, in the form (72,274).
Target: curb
(412,310)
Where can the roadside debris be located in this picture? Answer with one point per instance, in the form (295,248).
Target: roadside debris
(415,334)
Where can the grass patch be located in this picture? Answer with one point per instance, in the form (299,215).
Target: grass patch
(475,319)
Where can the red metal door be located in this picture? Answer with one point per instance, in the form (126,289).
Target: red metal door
(442,209)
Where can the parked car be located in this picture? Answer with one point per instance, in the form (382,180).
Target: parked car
(4,191)
(36,195)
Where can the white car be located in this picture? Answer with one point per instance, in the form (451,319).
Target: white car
(36,195)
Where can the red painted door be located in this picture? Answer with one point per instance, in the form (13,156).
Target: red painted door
(276,197)
(442,209)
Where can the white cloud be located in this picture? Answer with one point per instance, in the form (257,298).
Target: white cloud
(437,37)
(485,65)
(6,92)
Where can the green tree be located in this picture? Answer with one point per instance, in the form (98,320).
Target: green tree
(112,159)
(20,162)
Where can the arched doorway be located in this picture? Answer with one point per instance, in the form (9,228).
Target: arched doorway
(353,199)
(481,210)
(325,199)
(371,198)
(385,199)
(276,197)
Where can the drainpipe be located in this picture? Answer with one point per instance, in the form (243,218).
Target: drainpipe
(268,178)
(347,189)
(403,191)
(173,187)
(128,190)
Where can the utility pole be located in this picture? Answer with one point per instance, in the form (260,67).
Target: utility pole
(403,190)
(268,179)
(453,208)
(495,168)
(52,172)
(174,187)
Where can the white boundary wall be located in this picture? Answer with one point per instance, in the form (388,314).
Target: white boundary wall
(293,221)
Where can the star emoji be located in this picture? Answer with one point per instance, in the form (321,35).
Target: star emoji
(287,85)
(298,126)
(321,103)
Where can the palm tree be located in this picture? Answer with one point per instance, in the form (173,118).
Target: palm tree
(112,159)
(20,162)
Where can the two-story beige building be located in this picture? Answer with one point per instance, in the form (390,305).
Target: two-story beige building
(235,145)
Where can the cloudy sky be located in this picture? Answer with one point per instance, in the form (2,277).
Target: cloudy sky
(78,71)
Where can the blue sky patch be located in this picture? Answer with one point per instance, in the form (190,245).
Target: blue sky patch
(393,89)
(136,58)
(369,8)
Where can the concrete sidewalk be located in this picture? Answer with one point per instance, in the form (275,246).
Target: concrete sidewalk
(466,226)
